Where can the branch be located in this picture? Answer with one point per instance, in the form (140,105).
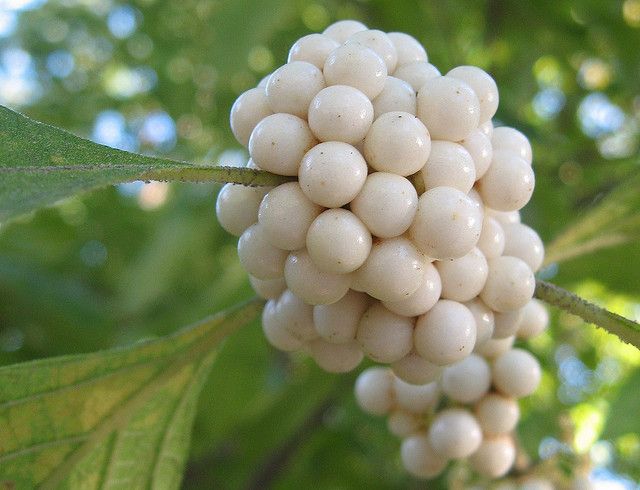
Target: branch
(627,330)
(236,175)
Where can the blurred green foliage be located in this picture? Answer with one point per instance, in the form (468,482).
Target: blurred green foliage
(128,263)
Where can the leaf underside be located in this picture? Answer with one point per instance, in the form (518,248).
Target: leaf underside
(114,419)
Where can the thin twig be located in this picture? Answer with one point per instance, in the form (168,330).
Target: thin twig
(627,330)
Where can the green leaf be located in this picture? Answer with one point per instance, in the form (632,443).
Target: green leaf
(119,419)
(613,221)
(619,420)
(40,164)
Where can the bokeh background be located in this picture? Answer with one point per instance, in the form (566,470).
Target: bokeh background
(137,261)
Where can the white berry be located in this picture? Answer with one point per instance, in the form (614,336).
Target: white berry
(446,333)
(292,86)
(447,224)
(516,373)
(383,335)
(449,108)
(332,173)
(468,380)
(374,390)
(279,142)
(340,113)
(357,66)
(387,204)
(310,283)
(455,433)
(247,111)
(286,214)
(393,271)
(397,142)
(338,241)
(510,284)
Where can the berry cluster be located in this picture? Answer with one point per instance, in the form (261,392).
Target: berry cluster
(401,237)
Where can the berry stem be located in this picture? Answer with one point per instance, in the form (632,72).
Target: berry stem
(236,175)
(627,330)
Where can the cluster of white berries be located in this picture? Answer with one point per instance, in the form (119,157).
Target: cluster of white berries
(470,412)
(354,261)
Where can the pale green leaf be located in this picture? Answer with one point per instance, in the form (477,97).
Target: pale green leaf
(40,164)
(614,220)
(114,419)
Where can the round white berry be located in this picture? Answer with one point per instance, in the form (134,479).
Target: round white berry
(338,241)
(463,278)
(374,390)
(423,299)
(446,333)
(397,142)
(286,214)
(258,257)
(491,242)
(408,48)
(340,113)
(507,324)
(397,95)
(497,414)
(449,108)
(510,139)
(479,147)
(516,373)
(292,86)
(484,317)
(493,348)
(332,173)
(335,358)
(383,335)
(343,29)
(338,322)
(247,111)
(416,73)
(393,271)
(524,242)
(508,183)
(387,204)
(357,66)
(535,319)
(449,164)
(468,380)
(310,283)
(268,288)
(455,433)
(510,284)
(404,424)
(416,370)
(297,316)
(420,459)
(447,224)
(313,48)
(484,87)
(494,457)
(416,398)
(275,330)
(279,142)
(237,207)
(380,43)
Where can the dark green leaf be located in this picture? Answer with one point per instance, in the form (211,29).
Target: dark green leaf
(40,164)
